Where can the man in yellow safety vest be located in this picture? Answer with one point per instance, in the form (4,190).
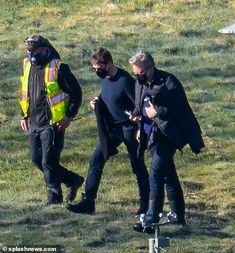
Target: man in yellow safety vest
(50,99)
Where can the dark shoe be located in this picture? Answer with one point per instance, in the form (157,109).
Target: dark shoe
(72,189)
(54,196)
(139,228)
(178,207)
(56,200)
(85,206)
(143,207)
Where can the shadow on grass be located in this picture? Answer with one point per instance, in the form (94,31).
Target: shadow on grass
(110,236)
(193,186)
(96,244)
(208,225)
(33,225)
(201,206)
(192,33)
(198,225)
(103,229)
(124,202)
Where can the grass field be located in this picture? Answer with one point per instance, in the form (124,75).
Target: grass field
(182,36)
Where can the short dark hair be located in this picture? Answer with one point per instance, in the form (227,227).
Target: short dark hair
(102,55)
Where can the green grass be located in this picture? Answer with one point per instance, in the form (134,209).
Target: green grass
(182,36)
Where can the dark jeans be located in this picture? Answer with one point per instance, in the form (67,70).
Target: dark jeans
(45,147)
(124,132)
(163,171)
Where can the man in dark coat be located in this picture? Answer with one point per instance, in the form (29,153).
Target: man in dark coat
(166,120)
(116,97)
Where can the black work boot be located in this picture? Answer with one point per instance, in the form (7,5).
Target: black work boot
(77,182)
(180,212)
(143,207)
(54,197)
(85,206)
(152,216)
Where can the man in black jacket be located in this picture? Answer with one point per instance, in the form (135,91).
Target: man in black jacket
(117,97)
(166,118)
(51,96)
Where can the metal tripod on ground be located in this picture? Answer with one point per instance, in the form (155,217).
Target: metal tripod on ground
(157,243)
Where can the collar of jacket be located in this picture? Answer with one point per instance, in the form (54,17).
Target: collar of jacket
(156,77)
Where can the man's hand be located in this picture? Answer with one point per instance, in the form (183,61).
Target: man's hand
(150,111)
(135,118)
(24,125)
(93,101)
(63,124)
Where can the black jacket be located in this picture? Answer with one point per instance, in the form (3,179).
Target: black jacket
(175,117)
(105,126)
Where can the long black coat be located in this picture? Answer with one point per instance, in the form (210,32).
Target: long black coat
(104,125)
(175,117)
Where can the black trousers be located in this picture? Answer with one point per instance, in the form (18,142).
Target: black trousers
(45,148)
(163,172)
(124,132)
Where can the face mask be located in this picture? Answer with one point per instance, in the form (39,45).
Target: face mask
(34,58)
(102,73)
(142,79)
(38,59)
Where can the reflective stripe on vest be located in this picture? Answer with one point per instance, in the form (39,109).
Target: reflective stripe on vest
(51,70)
(24,102)
(57,99)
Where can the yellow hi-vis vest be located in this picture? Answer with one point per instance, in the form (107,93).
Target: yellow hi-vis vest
(57,98)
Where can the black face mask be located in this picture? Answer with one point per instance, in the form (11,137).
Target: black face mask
(101,73)
(35,58)
(142,79)
(38,59)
